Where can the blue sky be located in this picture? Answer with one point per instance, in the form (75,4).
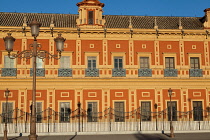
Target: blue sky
(189,8)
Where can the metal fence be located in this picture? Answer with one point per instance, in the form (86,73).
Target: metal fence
(81,120)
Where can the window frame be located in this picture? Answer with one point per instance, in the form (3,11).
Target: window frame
(90,59)
(170,64)
(38,112)
(121,112)
(174,111)
(39,63)
(90,19)
(10,116)
(10,64)
(193,64)
(92,113)
(117,64)
(67,112)
(197,114)
(145,116)
(146,62)
(62,61)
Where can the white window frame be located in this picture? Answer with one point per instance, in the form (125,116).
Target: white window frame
(62,61)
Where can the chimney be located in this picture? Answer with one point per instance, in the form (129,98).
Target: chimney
(207,18)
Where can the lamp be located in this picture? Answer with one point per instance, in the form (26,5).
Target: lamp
(35,28)
(34,53)
(9,42)
(59,43)
(171,115)
(6,114)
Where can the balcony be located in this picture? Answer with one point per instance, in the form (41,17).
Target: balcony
(170,73)
(118,72)
(92,72)
(64,72)
(145,72)
(40,72)
(9,72)
(196,73)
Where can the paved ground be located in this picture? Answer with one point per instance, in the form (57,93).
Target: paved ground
(181,136)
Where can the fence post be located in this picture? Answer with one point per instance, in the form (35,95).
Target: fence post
(136,120)
(189,120)
(79,105)
(26,122)
(155,105)
(110,125)
(140,117)
(54,121)
(16,119)
(82,120)
(163,123)
(199,118)
(48,119)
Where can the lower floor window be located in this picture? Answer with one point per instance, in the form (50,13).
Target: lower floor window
(65,111)
(38,112)
(119,112)
(146,111)
(197,111)
(7,113)
(92,112)
(172,105)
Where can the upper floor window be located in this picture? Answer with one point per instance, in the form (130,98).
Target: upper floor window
(169,63)
(8,62)
(39,63)
(194,63)
(144,62)
(90,17)
(118,62)
(65,62)
(91,62)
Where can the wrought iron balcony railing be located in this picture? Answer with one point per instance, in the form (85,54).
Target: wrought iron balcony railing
(65,72)
(170,73)
(7,72)
(92,72)
(196,73)
(145,72)
(118,72)
(40,72)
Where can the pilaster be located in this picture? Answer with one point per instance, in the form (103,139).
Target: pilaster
(184,99)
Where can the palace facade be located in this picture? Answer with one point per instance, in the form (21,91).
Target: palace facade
(109,61)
